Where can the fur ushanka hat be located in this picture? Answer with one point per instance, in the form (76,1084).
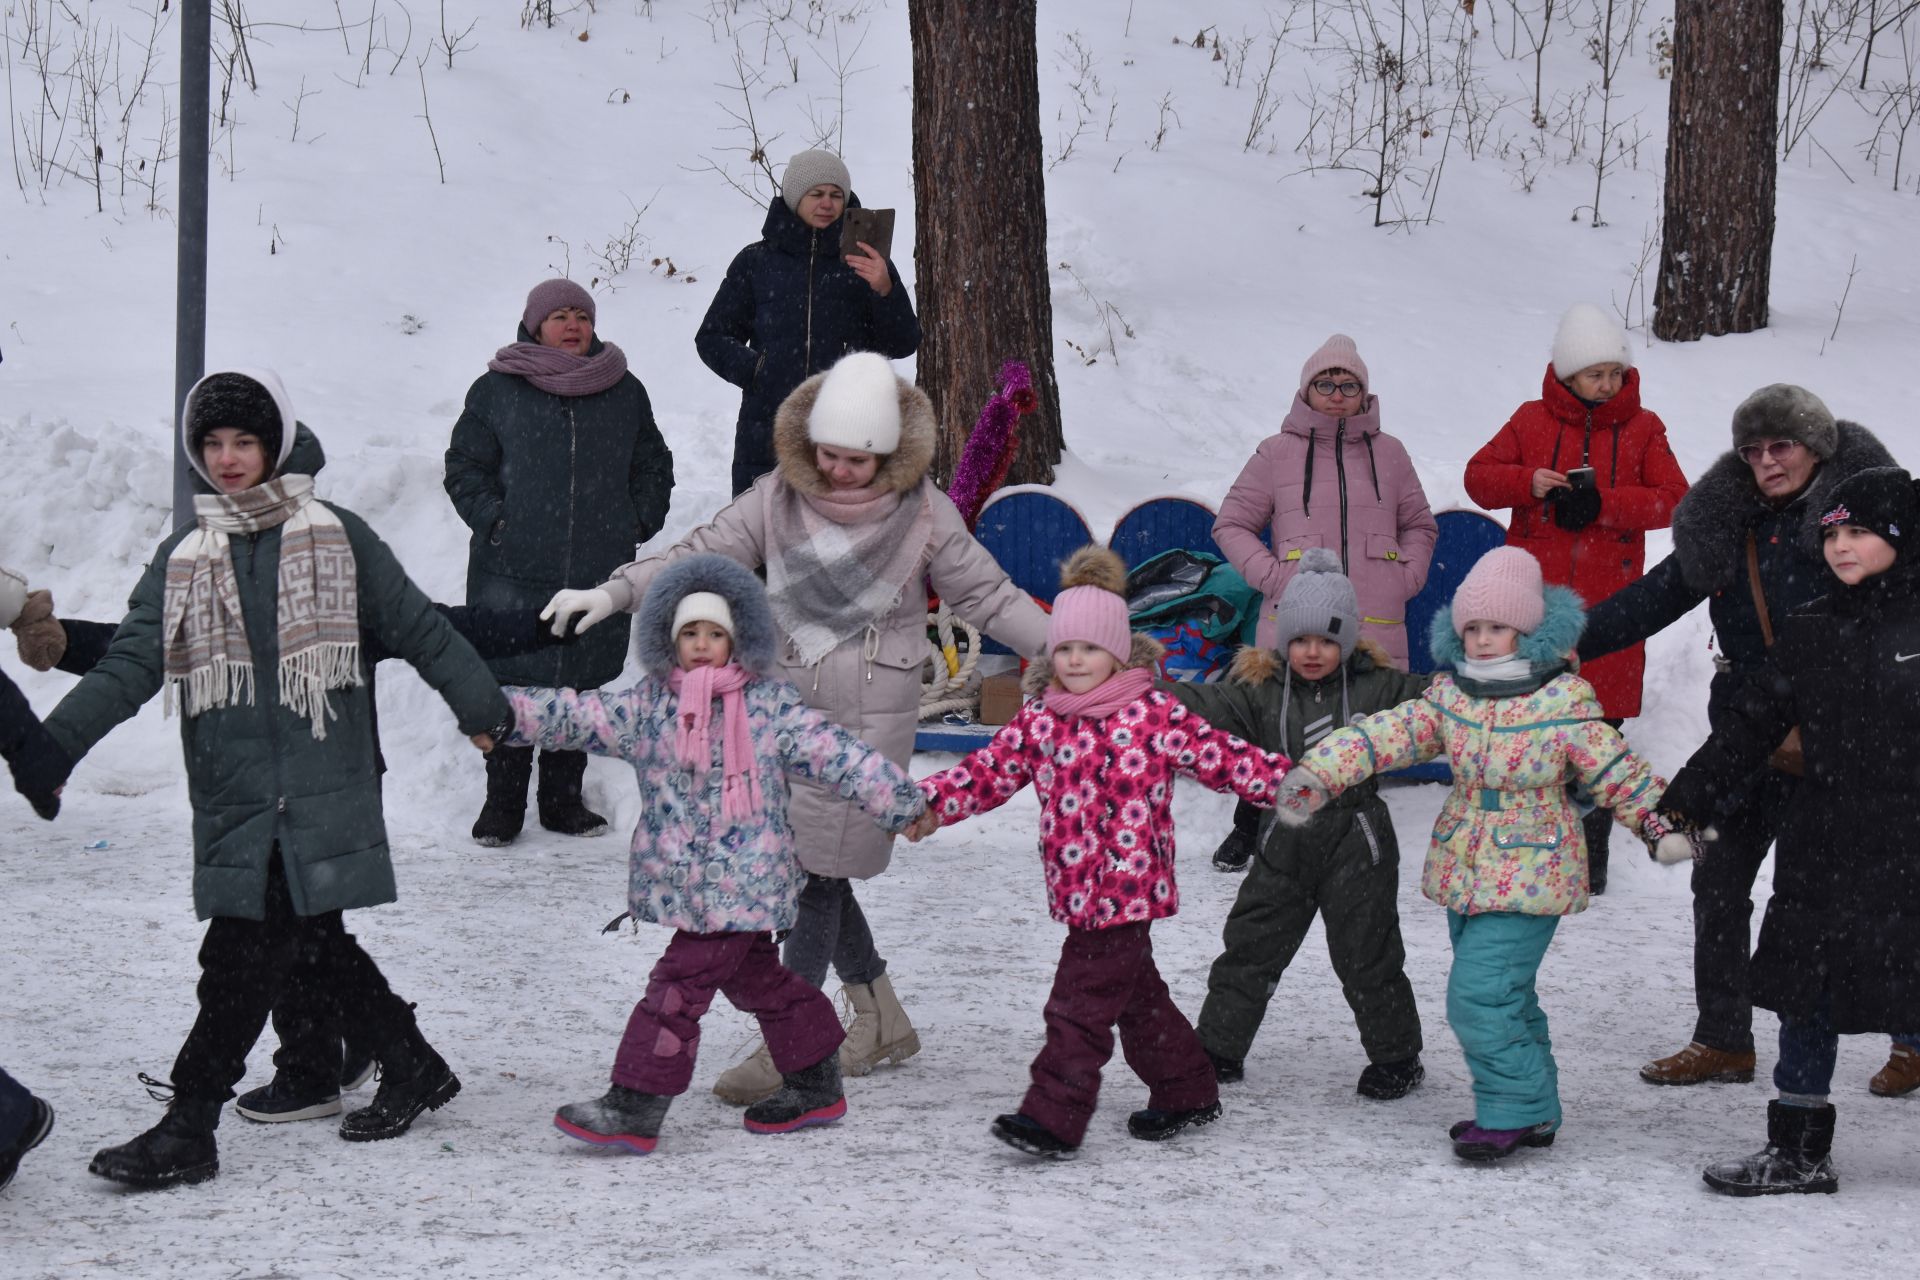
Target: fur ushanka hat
(1783,411)
(754,637)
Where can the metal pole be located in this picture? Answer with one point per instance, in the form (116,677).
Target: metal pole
(190,294)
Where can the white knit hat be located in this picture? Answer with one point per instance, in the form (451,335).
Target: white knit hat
(1588,336)
(858,406)
(702,606)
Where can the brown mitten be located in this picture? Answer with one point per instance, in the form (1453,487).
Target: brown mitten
(43,641)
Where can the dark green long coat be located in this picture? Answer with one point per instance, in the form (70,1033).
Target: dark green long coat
(558,491)
(255,773)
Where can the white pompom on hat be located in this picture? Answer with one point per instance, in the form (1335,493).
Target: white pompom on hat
(703,606)
(858,406)
(1588,336)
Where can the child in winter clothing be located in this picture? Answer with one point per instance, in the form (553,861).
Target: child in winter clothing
(713,740)
(252,620)
(1102,747)
(1838,951)
(1344,865)
(1586,471)
(1507,860)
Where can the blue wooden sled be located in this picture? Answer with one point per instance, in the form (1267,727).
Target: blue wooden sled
(1031,531)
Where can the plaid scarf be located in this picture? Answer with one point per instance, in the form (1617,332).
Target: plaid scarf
(317,598)
(838,562)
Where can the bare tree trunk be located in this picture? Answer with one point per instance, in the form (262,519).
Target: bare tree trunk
(980,216)
(1716,247)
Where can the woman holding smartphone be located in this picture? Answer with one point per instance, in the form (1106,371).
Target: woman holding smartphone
(1587,471)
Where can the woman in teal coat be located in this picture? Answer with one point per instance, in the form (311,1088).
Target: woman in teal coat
(251,619)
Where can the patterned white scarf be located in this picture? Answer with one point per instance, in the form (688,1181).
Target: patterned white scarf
(317,598)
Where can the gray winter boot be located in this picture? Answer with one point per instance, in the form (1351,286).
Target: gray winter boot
(621,1117)
(809,1096)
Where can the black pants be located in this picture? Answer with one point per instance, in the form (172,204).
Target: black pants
(1597,828)
(247,965)
(1723,910)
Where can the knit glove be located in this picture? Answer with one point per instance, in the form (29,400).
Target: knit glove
(593,605)
(1303,793)
(1574,509)
(42,640)
(1670,839)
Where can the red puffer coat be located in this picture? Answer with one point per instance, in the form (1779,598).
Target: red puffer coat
(1639,482)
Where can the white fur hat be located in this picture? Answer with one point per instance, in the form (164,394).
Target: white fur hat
(858,406)
(702,606)
(13,596)
(1588,336)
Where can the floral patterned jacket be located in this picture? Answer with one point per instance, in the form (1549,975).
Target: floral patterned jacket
(1508,838)
(1106,787)
(688,869)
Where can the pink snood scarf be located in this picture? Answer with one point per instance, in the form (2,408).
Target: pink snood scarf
(1105,698)
(740,796)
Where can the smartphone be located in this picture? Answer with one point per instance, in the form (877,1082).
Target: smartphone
(874,226)
(1581,477)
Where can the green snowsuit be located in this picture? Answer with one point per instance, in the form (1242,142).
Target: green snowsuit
(1344,864)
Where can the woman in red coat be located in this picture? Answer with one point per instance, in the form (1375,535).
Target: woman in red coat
(1587,472)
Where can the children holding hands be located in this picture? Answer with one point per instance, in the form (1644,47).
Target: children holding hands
(714,739)
(1102,746)
(1507,859)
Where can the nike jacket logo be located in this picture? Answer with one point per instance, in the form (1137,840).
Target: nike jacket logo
(1905,657)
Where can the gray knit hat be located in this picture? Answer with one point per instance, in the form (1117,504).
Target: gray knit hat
(808,170)
(1319,601)
(1783,411)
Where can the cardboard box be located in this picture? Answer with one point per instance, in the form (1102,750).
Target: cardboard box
(999,698)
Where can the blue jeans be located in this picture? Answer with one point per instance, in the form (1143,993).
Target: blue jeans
(16,1109)
(1496,1016)
(1808,1047)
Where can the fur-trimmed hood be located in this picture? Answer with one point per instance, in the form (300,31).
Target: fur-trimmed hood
(1710,524)
(900,471)
(755,641)
(1545,647)
(1146,652)
(1254,666)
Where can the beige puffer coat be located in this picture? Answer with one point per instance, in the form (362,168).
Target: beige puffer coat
(870,684)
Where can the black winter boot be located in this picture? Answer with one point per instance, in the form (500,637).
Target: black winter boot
(620,1117)
(809,1096)
(1237,849)
(1799,1142)
(178,1149)
(1157,1126)
(1227,1070)
(1598,828)
(1023,1133)
(1389,1080)
(413,1078)
(500,820)
(561,808)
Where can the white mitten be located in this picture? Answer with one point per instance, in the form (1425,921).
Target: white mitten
(1668,844)
(1303,793)
(594,605)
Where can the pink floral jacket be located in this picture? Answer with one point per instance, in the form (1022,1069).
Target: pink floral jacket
(1106,787)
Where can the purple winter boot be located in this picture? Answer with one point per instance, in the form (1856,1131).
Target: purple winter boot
(1471,1142)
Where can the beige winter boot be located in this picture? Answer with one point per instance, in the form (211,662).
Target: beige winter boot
(880,1030)
(750,1080)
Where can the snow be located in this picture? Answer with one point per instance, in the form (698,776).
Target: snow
(377,292)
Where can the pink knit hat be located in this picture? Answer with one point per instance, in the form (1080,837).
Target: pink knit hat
(1090,606)
(548,297)
(1504,587)
(1337,352)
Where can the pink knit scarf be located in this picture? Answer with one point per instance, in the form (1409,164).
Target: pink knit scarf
(1105,698)
(739,789)
(561,372)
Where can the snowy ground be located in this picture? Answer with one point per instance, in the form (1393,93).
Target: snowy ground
(341,259)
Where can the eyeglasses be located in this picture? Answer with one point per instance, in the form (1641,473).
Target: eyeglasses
(1327,386)
(1772,451)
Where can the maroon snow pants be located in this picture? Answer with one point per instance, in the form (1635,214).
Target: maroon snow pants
(1107,978)
(663,1035)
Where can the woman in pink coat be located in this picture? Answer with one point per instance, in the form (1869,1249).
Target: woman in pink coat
(1330,478)
(850,529)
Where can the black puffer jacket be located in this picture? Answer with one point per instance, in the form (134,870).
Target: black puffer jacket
(1709,562)
(788,309)
(558,491)
(1845,913)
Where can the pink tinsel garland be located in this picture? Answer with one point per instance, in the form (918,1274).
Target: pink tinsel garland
(988,453)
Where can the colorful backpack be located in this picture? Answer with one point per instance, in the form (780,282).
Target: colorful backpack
(1197,606)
